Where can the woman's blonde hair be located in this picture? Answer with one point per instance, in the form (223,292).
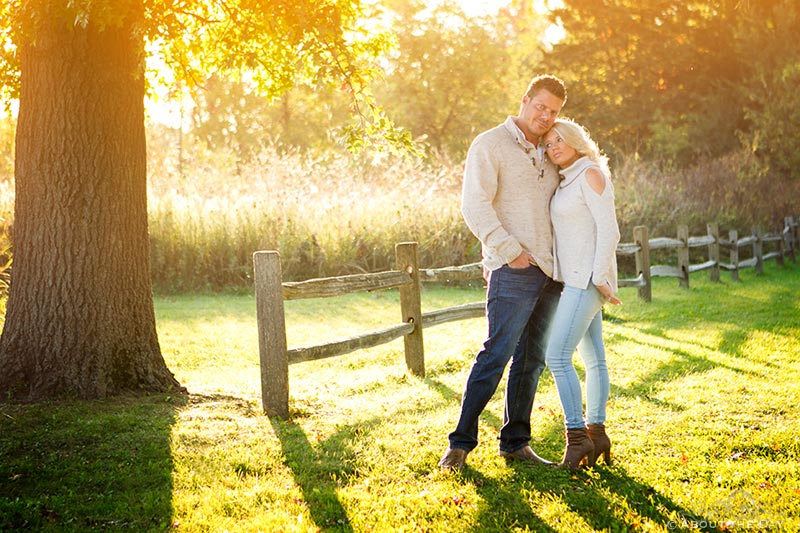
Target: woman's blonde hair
(578,137)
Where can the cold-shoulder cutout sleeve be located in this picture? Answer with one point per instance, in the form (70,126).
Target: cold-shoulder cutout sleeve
(596,180)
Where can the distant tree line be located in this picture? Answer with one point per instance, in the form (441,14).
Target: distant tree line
(677,80)
(669,81)
(663,80)
(447,77)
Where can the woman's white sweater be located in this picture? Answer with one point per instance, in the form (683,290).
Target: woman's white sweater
(585,231)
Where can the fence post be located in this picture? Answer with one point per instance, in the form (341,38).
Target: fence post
(713,250)
(271,321)
(683,256)
(758,249)
(789,237)
(642,256)
(781,251)
(411,307)
(795,231)
(733,236)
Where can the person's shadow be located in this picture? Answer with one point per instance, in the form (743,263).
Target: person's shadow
(320,473)
(597,496)
(605,498)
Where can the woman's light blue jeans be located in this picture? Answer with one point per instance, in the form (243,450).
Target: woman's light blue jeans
(578,324)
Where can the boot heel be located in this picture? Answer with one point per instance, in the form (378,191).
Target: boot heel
(602,444)
(591,459)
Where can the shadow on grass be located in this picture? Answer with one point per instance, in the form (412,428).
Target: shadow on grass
(606,497)
(776,308)
(504,506)
(87,466)
(629,502)
(683,364)
(319,473)
(779,311)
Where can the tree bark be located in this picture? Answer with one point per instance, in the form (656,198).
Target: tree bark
(80,319)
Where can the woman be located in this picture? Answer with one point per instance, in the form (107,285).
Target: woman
(585,239)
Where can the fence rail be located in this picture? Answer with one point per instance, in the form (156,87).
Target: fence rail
(271,292)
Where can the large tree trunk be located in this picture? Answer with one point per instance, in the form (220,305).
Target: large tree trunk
(80,318)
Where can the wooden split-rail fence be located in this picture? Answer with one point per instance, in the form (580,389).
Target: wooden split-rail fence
(271,292)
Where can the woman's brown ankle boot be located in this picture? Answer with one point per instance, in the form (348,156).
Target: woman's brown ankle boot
(579,447)
(602,444)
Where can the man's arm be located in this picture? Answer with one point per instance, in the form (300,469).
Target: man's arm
(478,193)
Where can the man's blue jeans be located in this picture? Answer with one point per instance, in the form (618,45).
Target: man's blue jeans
(520,304)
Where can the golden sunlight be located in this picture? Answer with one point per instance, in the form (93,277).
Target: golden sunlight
(479,7)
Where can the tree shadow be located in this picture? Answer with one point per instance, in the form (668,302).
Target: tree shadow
(682,365)
(782,309)
(88,466)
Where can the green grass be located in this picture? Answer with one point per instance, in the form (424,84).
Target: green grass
(703,416)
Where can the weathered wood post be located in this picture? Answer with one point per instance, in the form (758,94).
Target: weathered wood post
(641,237)
(788,236)
(411,307)
(781,250)
(271,320)
(733,236)
(683,256)
(713,250)
(758,249)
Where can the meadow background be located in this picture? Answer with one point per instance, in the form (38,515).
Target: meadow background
(330,213)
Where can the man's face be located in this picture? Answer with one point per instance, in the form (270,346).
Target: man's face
(538,113)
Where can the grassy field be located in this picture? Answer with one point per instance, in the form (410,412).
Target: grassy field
(703,416)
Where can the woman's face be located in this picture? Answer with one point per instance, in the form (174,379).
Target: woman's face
(558,150)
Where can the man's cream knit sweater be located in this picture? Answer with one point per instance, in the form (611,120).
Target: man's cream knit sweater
(506,197)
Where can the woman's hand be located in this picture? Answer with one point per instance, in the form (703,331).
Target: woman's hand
(608,294)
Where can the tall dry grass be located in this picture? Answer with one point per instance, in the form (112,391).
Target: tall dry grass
(332,214)
(737,191)
(327,214)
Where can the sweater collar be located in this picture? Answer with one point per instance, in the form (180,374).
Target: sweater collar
(577,168)
(535,152)
(519,137)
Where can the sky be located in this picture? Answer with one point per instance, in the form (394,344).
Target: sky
(481,7)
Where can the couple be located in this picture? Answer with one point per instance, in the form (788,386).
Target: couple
(541,233)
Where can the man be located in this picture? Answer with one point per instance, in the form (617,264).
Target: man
(508,183)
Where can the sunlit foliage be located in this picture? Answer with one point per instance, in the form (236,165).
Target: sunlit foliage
(452,76)
(274,45)
(677,79)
